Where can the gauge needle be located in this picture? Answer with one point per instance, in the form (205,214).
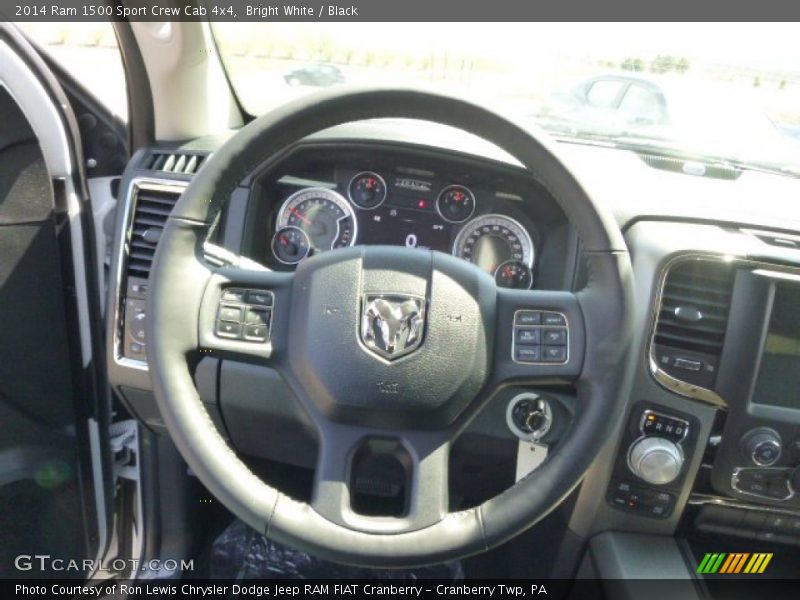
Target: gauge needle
(300,216)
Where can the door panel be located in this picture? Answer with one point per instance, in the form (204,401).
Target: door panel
(48,327)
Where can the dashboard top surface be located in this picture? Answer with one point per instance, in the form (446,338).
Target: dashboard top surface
(618,179)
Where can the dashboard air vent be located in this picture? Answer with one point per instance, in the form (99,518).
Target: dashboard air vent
(780,240)
(186,164)
(152,207)
(691,167)
(692,319)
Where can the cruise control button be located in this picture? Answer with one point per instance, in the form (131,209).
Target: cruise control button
(256,333)
(554,353)
(261,298)
(229,330)
(528,317)
(529,336)
(230,313)
(528,353)
(555,337)
(553,319)
(233,295)
(258,316)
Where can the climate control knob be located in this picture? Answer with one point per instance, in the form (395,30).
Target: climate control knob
(655,459)
(762,446)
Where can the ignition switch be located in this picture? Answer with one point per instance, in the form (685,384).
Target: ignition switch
(529,416)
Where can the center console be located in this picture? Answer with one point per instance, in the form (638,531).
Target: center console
(724,332)
(649,471)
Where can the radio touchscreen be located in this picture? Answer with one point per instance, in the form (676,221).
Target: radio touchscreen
(778,380)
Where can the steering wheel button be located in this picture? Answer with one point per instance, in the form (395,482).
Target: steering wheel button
(555,337)
(528,317)
(554,353)
(257,316)
(553,319)
(529,336)
(256,333)
(233,295)
(229,330)
(230,313)
(258,297)
(528,353)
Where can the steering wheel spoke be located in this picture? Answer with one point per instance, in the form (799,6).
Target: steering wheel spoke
(539,336)
(380,481)
(243,312)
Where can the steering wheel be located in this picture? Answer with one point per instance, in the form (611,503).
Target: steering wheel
(454,338)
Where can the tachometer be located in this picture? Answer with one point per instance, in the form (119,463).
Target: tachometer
(491,240)
(323,215)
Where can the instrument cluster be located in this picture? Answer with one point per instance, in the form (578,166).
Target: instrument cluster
(406,211)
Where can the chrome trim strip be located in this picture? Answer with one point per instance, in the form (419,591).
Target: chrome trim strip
(703,499)
(666,380)
(129,207)
(738,470)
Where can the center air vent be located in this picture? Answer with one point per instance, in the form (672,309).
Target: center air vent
(152,206)
(692,319)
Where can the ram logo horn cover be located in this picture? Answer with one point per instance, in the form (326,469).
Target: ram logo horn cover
(392,325)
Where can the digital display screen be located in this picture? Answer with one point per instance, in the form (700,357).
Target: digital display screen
(404,227)
(778,381)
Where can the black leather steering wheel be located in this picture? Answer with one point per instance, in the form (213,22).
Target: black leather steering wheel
(421,400)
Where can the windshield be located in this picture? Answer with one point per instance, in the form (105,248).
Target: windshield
(726,92)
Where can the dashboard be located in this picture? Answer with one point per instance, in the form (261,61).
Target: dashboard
(716,273)
(320,200)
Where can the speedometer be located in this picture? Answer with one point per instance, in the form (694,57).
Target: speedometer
(323,215)
(491,240)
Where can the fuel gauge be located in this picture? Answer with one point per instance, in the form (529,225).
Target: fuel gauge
(514,274)
(367,190)
(290,245)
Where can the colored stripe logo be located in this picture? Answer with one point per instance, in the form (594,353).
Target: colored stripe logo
(734,562)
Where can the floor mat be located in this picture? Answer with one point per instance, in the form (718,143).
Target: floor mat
(240,552)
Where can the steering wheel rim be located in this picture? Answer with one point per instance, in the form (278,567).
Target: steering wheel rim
(179,291)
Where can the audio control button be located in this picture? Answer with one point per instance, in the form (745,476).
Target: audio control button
(256,332)
(229,330)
